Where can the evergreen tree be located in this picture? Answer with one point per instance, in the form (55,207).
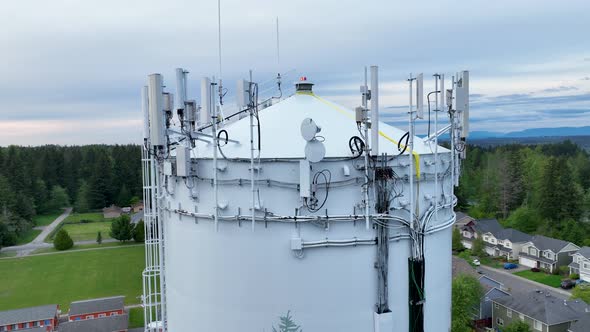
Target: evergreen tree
(124,196)
(287,324)
(59,199)
(62,240)
(99,238)
(82,204)
(478,247)
(122,229)
(467,292)
(139,232)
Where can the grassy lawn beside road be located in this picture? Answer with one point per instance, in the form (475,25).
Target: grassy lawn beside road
(87,246)
(88,231)
(84,217)
(544,278)
(28,236)
(46,219)
(135,317)
(63,278)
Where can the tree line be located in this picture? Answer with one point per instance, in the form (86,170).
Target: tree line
(542,189)
(43,179)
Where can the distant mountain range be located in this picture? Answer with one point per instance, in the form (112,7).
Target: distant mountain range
(535,132)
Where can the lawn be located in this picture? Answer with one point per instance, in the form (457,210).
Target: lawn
(63,278)
(84,217)
(88,231)
(28,236)
(46,219)
(136,318)
(6,254)
(542,277)
(87,246)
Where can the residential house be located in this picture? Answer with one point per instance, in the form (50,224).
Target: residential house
(112,211)
(462,219)
(582,325)
(119,323)
(499,241)
(44,317)
(137,207)
(492,290)
(97,308)
(581,264)
(539,309)
(547,253)
(482,314)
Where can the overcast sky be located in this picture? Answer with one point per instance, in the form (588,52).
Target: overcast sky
(72,70)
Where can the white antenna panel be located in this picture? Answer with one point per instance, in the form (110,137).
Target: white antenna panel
(243,94)
(180,88)
(420,96)
(156,107)
(205,116)
(462,101)
(146,112)
(191,110)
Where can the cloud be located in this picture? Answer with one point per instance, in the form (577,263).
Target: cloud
(559,89)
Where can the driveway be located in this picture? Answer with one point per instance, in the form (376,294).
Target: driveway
(516,284)
(38,242)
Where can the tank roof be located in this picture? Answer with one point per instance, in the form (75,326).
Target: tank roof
(281,137)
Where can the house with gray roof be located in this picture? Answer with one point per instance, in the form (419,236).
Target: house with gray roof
(499,241)
(582,325)
(97,308)
(538,309)
(119,323)
(462,219)
(492,290)
(581,264)
(44,317)
(547,253)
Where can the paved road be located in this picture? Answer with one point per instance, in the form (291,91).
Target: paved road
(49,228)
(516,284)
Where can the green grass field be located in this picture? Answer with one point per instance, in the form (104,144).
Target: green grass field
(79,217)
(46,219)
(63,278)
(135,317)
(542,277)
(88,231)
(87,246)
(28,236)
(6,254)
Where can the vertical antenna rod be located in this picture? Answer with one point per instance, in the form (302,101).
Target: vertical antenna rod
(219,35)
(278,49)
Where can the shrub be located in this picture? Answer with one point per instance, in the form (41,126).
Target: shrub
(574,276)
(564,270)
(62,240)
(534,269)
(122,229)
(99,238)
(139,232)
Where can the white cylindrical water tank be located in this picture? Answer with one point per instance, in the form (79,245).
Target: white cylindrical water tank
(310,260)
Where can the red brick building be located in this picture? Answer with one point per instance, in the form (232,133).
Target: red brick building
(41,318)
(97,308)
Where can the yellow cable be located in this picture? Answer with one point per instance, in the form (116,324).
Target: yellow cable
(416,155)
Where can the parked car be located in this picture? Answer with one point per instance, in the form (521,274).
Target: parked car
(476,262)
(534,269)
(510,266)
(568,283)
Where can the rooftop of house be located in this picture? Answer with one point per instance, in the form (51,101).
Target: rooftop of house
(28,314)
(97,305)
(544,243)
(462,218)
(545,307)
(514,235)
(105,324)
(584,251)
(112,208)
(488,226)
(582,325)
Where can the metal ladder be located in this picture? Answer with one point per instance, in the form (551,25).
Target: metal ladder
(154,284)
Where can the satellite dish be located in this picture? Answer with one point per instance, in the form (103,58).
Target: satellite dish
(315,151)
(309,129)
